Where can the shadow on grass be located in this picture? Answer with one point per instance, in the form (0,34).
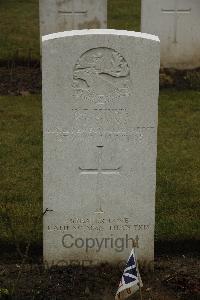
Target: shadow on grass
(178,247)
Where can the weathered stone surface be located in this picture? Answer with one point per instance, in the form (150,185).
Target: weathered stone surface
(177,23)
(61,15)
(100,91)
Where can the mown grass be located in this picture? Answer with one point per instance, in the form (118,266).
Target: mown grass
(21,167)
(177,210)
(19,25)
(178,173)
(124,14)
(19,29)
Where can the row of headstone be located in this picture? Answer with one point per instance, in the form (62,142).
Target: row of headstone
(100,92)
(176,22)
(62,15)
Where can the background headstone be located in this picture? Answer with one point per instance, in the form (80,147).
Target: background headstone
(177,23)
(100,92)
(62,15)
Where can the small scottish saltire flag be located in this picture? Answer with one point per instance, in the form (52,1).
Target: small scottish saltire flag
(131,280)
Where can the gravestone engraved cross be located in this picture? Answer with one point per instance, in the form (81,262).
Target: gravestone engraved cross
(99,174)
(73,13)
(99,171)
(176,12)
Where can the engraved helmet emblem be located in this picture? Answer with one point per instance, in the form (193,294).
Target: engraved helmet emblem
(102,72)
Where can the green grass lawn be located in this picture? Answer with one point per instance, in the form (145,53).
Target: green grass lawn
(177,209)
(19,25)
(178,172)
(19,29)
(21,167)
(178,190)
(124,14)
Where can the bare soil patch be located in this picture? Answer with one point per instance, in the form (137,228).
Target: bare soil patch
(20,80)
(25,78)
(173,278)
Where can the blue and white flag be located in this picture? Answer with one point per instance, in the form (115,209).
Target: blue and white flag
(131,280)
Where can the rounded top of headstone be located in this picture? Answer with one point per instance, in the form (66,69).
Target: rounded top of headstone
(100,32)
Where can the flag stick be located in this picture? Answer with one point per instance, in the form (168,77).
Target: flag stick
(141,298)
(140,289)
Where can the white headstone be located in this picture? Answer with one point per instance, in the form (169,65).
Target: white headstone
(62,15)
(177,23)
(100,92)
